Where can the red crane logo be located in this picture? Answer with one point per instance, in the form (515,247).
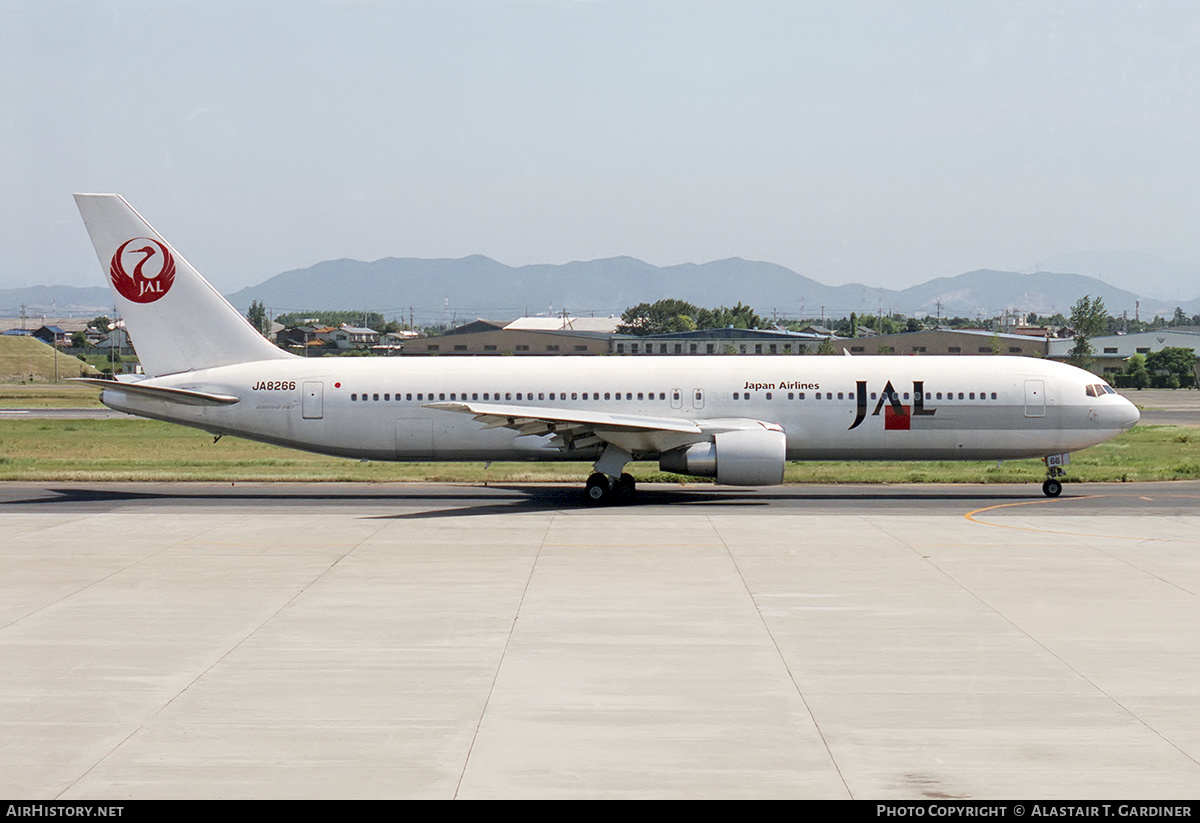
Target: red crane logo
(142,270)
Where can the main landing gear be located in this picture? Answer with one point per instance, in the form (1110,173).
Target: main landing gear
(604,490)
(608,484)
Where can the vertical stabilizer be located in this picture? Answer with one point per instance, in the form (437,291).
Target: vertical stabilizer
(175,319)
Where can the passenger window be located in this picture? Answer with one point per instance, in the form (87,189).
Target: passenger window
(353,397)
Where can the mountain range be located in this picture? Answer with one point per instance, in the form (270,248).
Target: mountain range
(456,290)
(481,287)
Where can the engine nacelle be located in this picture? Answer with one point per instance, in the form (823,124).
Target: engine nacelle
(749,457)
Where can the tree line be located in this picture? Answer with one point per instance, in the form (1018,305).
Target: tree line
(672,316)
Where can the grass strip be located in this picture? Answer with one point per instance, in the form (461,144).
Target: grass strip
(147,450)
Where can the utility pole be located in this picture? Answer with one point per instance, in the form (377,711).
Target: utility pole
(54,342)
(29,369)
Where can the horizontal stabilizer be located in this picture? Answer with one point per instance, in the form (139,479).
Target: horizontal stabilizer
(186,397)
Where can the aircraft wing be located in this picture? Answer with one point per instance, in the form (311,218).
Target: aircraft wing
(580,429)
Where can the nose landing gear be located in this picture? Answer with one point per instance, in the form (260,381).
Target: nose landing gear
(1052,487)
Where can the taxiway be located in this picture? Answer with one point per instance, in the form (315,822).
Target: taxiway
(288,640)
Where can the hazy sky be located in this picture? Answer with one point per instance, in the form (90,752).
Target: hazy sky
(879,142)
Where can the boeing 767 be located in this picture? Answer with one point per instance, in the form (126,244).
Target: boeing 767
(736,419)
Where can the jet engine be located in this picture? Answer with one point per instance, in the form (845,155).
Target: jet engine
(747,457)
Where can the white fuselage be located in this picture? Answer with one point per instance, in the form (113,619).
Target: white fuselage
(828,407)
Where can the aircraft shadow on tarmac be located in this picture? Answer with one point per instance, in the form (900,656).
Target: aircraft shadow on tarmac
(462,500)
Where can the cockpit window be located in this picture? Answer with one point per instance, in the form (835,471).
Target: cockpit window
(1099,390)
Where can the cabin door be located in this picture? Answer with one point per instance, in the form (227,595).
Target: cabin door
(1035,398)
(312,401)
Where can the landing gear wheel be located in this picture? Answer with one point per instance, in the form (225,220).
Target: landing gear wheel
(598,490)
(624,490)
(1054,470)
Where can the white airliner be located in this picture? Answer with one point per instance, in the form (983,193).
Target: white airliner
(736,419)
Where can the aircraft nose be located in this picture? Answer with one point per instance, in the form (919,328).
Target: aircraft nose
(1127,415)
